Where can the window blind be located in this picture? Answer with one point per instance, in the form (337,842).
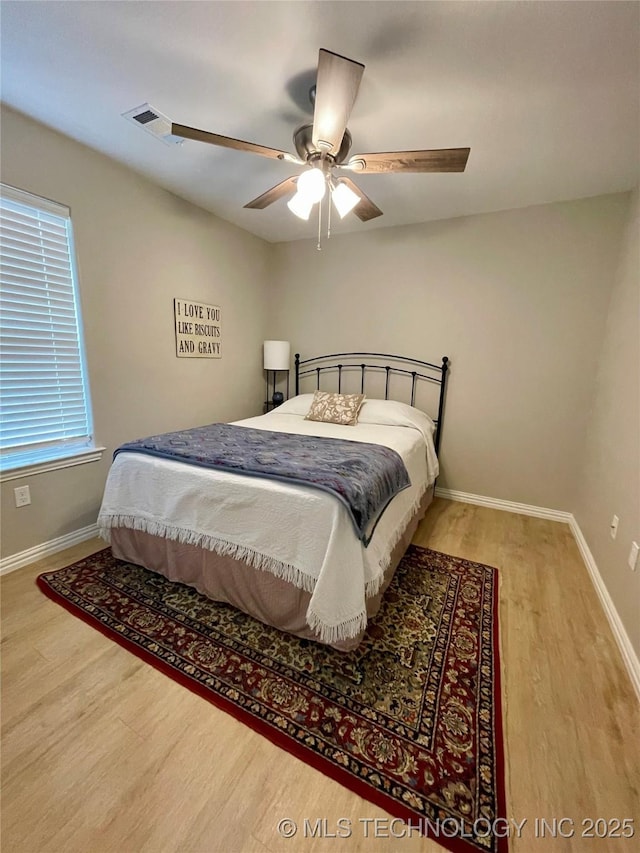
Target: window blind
(44,408)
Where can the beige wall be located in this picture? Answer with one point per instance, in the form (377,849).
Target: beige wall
(138,247)
(518,302)
(610,481)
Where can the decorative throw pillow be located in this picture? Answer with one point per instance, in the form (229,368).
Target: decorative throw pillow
(335,408)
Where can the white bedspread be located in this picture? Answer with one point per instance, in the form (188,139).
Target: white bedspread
(298,533)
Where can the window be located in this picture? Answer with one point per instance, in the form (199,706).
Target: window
(45,413)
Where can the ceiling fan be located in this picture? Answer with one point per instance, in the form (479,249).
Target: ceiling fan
(324,147)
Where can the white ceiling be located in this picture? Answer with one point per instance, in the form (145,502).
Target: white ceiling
(544,93)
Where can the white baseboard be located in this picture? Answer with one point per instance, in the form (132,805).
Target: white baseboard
(629,655)
(45,549)
(507,506)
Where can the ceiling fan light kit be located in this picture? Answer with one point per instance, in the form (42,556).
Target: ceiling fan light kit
(324,146)
(312,184)
(301,206)
(343,198)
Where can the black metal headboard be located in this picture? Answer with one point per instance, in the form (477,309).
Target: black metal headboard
(383,364)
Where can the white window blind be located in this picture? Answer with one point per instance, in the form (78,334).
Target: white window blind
(45,411)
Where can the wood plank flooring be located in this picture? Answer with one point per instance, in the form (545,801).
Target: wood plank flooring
(101,752)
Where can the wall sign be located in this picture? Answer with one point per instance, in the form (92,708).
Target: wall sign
(198,332)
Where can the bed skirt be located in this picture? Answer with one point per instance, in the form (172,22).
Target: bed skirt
(259,593)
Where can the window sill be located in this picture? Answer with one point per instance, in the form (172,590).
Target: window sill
(92,454)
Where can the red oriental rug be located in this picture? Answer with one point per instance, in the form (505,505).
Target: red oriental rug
(410,720)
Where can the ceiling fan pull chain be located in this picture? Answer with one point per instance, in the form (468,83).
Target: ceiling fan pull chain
(319,246)
(329,214)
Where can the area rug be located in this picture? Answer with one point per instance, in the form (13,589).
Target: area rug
(410,720)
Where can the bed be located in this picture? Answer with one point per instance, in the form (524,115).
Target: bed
(287,553)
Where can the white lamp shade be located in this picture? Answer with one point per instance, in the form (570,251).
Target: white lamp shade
(277,355)
(312,185)
(300,206)
(344,199)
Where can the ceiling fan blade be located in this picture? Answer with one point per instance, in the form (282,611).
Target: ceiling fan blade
(273,194)
(337,87)
(227,142)
(435,160)
(365,209)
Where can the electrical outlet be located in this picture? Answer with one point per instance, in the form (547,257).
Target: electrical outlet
(633,556)
(614,526)
(22,496)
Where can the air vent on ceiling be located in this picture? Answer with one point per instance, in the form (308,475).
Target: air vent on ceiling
(154,122)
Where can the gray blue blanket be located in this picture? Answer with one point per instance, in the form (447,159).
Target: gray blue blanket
(364,477)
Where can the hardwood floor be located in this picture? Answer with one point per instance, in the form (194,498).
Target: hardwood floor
(100,752)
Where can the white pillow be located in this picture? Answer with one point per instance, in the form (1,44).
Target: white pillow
(295,406)
(393,413)
(385,412)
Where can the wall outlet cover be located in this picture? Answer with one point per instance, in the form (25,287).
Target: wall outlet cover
(613,527)
(22,496)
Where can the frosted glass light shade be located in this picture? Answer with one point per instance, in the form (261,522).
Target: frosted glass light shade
(300,206)
(344,199)
(312,185)
(277,355)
